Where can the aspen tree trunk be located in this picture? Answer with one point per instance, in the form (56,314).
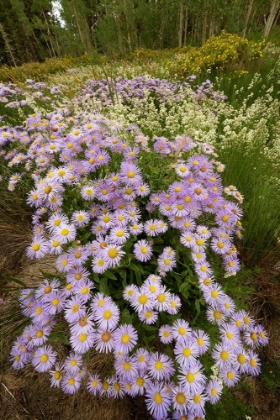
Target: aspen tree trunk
(204,28)
(181,19)
(49,34)
(7,44)
(274,8)
(186,26)
(248,15)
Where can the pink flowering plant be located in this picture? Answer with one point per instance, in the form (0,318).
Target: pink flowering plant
(141,230)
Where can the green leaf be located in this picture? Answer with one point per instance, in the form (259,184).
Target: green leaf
(149,327)
(96,277)
(197,306)
(126,317)
(104,286)
(48,275)
(110,275)
(21,283)
(136,268)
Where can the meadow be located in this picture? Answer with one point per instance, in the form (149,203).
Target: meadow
(140,233)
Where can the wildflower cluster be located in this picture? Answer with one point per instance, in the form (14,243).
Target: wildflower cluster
(118,240)
(32,96)
(162,91)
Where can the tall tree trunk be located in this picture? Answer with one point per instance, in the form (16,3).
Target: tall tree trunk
(204,28)
(181,19)
(186,26)
(274,8)
(248,15)
(49,34)
(7,45)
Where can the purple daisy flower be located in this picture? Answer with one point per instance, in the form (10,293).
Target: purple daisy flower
(82,342)
(126,367)
(70,383)
(104,342)
(143,250)
(43,358)
(56,375)
(230,376)
(157,400)
(38,248)
(223,355)
(181,330)
(213,391)
(180,399)
(73,363)
(125,338)
(107,315)
(160,367)
(186,352)
(94,384)
(165,334)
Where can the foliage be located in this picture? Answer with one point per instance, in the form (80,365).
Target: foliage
(40,71)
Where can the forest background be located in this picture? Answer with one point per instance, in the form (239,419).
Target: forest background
(34,30)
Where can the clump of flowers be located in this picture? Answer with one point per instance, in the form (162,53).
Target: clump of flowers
(136,225)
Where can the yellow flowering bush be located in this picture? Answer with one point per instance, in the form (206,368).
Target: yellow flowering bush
(39,71)
(226,52)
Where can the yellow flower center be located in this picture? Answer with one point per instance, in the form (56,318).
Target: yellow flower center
(125,338)
(57,376)
(82,337)
(158,365)
(142,299)
(117,386)
(47,290)
(241,359)
(106,336)
(112,253)
(230,375)
(253,362)
(224,355)
(140,381)
(161,298)
(55,302)
(182,331)
(217,314)
(126,366)
(107,314)
(197,398)
(180,398)
(200,341)
(44,358)
(186,352)
(157,398)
